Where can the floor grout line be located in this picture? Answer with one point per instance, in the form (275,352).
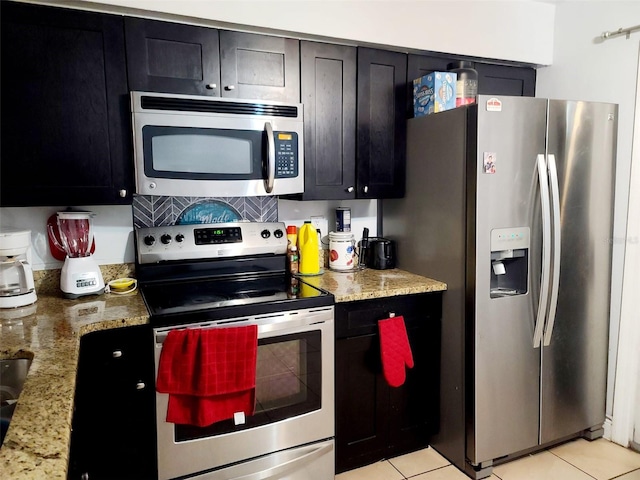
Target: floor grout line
(626,473)
(569,463)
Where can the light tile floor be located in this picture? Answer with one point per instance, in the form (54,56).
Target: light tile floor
(575,460)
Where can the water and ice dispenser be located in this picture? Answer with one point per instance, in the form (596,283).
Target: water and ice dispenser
(509,261)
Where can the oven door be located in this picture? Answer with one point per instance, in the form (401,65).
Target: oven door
(294,404)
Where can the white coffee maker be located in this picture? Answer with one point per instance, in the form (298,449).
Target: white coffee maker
(16,277)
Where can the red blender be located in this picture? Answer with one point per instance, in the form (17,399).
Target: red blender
(80,273)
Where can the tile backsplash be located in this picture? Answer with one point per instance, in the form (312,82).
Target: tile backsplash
(155,211)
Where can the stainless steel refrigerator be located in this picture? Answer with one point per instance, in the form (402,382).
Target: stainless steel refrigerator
(510,202)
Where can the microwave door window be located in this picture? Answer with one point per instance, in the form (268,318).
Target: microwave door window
(205,154)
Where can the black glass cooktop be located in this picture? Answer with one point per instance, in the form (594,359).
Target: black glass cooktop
(234,296)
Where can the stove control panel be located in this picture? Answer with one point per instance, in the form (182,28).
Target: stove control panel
(217,235)
(214,240)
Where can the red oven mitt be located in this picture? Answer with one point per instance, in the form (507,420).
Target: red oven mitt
(395,350)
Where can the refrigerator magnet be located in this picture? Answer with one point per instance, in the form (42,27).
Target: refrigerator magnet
(489,163)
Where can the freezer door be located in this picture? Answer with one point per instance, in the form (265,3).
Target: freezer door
(506,366)
(581,138)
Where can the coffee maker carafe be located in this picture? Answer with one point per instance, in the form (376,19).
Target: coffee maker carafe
(16,277)
(80,274)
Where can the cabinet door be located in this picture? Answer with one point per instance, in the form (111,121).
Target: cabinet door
(382,83)
(506,80)
(170,57)
(259,66)
(114,411)
(65,109)
(373,420)
(362,403)
(414,408)
(328,74)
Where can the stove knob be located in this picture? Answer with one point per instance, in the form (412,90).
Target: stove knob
(278,233)
(179,238)
(166,239)
(265,234)
(149,240)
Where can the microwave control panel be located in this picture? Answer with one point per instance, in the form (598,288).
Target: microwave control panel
(286,154)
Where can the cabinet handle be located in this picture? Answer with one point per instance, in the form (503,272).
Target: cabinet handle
(84,476)
(140,386)
(122,193)
(365,189)
(117,354)
(230,87)
(350,189)
(211,86)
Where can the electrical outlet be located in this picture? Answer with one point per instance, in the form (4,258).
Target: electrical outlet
(319,222)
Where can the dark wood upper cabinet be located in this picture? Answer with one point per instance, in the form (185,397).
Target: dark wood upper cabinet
(328,87)
(187,59)
(171,57)
(65,122)
(506,80)
(259,66)
(493,79)
(420,65)
(382,92)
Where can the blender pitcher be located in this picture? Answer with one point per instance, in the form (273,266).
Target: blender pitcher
(76,233)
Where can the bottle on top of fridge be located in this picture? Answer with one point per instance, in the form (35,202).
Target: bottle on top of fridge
(467,83)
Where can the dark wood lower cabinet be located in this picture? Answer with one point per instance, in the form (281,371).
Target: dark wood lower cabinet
(374,420)
(113,427)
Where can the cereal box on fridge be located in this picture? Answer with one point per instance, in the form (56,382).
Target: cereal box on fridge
(434,93)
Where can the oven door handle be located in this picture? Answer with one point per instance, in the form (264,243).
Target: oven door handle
(281,470)
(265,324)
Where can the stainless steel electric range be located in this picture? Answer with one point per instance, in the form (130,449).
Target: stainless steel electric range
(234,274)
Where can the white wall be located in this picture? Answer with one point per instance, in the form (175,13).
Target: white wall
(587,68)
(508,30)
(112,226)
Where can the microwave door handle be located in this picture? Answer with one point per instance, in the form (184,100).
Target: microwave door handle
(271,158)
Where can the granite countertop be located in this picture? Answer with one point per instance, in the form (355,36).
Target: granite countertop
(37,443)
(365,284)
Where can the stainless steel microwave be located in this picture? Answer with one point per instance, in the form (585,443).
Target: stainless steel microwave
(187,145)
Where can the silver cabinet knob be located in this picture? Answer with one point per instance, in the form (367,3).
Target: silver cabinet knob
(84,476)
(230,87)
(211,86)
(140,386)
(152,185)
(122,193)
(365,189)
(350,189)
(117,354)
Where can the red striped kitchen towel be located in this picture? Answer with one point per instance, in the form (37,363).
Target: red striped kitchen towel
(209,374)
(395,350)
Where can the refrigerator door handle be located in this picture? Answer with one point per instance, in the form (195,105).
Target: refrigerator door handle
(555,279)
(546,252)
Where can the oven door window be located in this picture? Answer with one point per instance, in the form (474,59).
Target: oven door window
(288,384)
(203,153)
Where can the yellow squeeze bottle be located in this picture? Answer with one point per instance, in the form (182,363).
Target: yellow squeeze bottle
(308,249)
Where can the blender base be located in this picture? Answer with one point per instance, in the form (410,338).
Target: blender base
(81,276)
(73,296)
